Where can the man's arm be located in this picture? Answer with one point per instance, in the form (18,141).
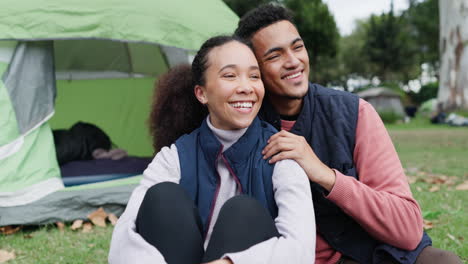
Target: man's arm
(381,201)
(387,209)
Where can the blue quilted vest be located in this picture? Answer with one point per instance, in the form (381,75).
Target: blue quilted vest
(198,153)
(328,121)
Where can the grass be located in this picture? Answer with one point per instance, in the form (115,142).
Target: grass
(47,245)
(436,151)
(425,150)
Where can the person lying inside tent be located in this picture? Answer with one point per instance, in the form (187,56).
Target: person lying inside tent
(211,197)
(85,155)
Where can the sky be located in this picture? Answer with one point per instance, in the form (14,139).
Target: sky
(347,11)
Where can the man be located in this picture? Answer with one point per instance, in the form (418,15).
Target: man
(364,208)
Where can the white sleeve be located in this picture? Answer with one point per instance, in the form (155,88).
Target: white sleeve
(295,221)
(127,246)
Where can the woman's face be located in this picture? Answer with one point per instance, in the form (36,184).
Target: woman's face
(233,90)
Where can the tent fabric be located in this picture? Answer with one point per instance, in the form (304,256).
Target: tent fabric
(104,56)
(30,82)
(84,39)
(79,180)
(72,203)
(176,23)
(32,172)
(8,123)
(7,48)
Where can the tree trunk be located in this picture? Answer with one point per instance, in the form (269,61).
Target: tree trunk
(453,84)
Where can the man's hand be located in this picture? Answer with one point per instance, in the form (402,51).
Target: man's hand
(220,261)
(286,145)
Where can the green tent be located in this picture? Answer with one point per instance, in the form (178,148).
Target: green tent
(63,61)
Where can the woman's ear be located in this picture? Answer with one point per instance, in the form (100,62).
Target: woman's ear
(200,93)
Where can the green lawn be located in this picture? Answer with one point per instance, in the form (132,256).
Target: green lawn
(440,154)
(426,151)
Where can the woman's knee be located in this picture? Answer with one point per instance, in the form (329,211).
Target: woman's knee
(241,203)
(242,208)
(159,200)
(163,190)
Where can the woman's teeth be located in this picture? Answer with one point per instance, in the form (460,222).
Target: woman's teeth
(241,104)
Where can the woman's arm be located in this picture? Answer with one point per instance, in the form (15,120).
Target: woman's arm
(127,246)
(295,221)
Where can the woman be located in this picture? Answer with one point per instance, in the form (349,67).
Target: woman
(187,208)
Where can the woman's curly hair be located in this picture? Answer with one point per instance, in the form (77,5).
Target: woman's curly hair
(175,109)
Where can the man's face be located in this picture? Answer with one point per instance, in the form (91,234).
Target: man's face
(283,60)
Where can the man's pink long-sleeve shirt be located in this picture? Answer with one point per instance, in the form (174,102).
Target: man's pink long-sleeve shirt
(381,201)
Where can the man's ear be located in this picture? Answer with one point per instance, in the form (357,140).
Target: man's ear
(200,93)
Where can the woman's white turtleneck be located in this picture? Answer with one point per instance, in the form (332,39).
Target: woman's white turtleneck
(295,221)
(228,186)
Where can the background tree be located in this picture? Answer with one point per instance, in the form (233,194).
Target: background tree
(453,89)
(423,18)
(390,48)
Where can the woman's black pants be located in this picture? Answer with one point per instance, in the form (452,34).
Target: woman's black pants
(168,219)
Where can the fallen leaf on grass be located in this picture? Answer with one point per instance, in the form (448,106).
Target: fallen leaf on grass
(98,217)
(462,187)
(436,179)
(411,170)
(427,224)
(113,219)
(454,239)
(77,224)
(60,226)
(87,227)
(6,256)
(434,188)
(411,179)
(419,189)
(422,173)
(8,230)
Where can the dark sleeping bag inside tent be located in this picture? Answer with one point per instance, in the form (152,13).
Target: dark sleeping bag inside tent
(85,155)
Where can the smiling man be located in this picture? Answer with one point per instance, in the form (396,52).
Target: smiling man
(365,212)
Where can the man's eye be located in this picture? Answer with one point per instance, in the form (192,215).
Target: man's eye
(229,75)
(298,47)
(272,57)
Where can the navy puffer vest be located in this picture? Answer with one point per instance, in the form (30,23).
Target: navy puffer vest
(328,121)
(198,153)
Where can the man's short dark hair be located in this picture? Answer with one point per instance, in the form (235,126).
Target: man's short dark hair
(261,17)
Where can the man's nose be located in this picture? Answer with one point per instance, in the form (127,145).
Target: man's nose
(292,61)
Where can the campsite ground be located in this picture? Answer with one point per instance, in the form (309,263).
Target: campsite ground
(435,159)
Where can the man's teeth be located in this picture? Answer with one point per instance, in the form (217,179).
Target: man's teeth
(292,76)
(241,104)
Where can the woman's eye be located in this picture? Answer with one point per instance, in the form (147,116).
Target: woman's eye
(255,76)
(229,75)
